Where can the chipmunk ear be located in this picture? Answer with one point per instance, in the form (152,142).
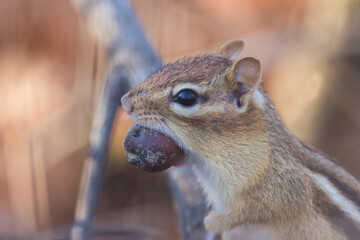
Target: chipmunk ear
(247,71)
(232,49)
(247,76)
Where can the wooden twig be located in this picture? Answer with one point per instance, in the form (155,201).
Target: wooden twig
(116,29)
(190,202)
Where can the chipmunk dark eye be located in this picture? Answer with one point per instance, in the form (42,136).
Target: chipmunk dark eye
(186,98)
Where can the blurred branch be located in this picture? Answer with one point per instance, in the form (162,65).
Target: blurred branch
(191,203)
(132,59)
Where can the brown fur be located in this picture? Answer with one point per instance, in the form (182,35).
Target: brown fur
(257,175)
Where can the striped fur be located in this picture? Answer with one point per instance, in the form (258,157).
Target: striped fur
(262,182)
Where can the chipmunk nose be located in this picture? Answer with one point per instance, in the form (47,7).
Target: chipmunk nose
(127,104)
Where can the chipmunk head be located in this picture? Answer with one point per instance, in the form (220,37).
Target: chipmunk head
(206,103)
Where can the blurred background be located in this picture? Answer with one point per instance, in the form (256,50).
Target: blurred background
(51,77)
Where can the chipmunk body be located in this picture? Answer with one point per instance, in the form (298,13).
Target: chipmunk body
(262,182)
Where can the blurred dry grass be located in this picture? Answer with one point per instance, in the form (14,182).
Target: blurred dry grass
(51,75)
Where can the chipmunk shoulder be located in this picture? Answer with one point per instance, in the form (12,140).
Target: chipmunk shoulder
(262,182)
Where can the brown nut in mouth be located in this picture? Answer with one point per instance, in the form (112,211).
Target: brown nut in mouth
(151,150)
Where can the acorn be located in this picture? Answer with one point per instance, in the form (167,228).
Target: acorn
(151,150)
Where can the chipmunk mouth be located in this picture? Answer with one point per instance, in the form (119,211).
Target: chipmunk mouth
(151,150)
(159,125)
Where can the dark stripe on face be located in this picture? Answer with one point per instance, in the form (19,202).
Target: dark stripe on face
(204,98)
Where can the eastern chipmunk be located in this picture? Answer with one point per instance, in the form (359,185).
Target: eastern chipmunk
(262,182)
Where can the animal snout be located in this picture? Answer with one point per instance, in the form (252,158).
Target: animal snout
(127,104)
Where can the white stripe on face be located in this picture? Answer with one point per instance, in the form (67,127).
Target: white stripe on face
(198,89)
